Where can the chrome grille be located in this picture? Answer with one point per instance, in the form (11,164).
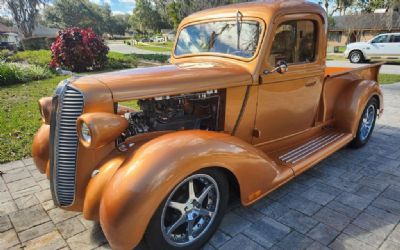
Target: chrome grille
(66,145)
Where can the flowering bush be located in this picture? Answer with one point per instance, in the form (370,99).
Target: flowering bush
(78,50)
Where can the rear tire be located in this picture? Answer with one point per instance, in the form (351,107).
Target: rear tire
(187,219)
(356,56)
(366,124)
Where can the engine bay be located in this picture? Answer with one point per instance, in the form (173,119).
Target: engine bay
(172,113)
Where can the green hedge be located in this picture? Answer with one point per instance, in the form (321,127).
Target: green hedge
(153,57)
(37,57)
(37,43)
(12,73)
(121,61)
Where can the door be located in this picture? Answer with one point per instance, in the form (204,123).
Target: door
(380,47)
(394,45)
(287,103)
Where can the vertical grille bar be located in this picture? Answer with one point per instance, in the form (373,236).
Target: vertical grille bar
(66,145)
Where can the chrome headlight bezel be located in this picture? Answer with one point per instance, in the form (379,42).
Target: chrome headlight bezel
(85,133)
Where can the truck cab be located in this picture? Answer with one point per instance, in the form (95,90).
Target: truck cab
(246,104)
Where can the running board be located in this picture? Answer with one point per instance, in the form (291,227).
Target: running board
(308,149)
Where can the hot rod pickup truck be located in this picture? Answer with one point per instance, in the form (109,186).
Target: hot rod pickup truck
(245,105)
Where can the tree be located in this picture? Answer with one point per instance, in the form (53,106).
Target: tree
(173,14)
(176,10)
(78,13)
(145,18)
(24,13)
(333,6)
(118,24)
(6,21)
(371,5)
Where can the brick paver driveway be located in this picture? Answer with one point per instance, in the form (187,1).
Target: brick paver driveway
(349,201)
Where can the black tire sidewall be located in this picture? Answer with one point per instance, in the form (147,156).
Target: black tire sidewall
(358,142)
(154,238)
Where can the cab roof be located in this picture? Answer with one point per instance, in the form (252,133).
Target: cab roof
(261,9)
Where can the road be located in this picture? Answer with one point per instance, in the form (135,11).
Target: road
(126,49)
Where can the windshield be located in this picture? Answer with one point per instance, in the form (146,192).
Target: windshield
(220,37)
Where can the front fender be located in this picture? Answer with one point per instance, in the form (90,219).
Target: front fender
(145,178)
(350,105)
(40,148)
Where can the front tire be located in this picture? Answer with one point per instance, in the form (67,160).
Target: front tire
(366,124)
(356,56)
(191,213)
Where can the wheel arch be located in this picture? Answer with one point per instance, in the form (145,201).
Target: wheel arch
(234,186)
(350,104)
(359,50)
(143,181)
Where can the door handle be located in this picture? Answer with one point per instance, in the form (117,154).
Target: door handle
(310,84)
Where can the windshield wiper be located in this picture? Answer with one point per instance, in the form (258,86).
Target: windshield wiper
(239,17)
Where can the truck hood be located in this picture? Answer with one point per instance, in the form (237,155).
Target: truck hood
(169,79)
(360,45)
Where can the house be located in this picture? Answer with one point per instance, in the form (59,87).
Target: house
(361,27)
(43,31)
(168,34)
(8,37)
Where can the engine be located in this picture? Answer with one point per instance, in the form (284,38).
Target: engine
(169,113)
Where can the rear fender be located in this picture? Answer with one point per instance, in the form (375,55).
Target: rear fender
(352,101)
(145,178)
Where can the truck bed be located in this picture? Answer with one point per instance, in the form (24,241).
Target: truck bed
(369,72)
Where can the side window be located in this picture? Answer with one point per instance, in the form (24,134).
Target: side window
(294,42)
(381,39)
(395,38)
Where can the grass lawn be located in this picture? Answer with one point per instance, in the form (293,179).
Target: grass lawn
(388,78)
(156,47)
(338,57)
(20,117)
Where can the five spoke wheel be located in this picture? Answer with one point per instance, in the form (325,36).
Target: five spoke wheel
(367,121)
(190,209)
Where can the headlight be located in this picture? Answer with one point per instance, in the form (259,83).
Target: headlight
(96,130)
(85,133)
(45,109)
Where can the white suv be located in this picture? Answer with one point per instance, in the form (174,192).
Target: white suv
(384,47)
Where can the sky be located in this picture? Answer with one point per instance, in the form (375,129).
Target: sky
(118,6)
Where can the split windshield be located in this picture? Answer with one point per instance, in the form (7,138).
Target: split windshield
(224,37)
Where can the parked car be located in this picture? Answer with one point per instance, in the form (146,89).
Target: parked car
(9,41)
(236,114)
(146,40)
(158,39)
(384,47)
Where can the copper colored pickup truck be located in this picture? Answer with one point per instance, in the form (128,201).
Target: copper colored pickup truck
(246,104)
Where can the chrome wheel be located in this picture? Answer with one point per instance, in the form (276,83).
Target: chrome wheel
(367,122)
(190,210)
(355,57)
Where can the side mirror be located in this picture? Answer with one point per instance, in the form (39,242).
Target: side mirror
(281,67)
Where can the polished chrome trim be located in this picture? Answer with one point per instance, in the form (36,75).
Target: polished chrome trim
(309,148)
(64,143)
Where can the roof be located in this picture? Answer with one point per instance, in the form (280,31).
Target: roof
(4,29)
(41,30)
(368,21)
(265,9)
